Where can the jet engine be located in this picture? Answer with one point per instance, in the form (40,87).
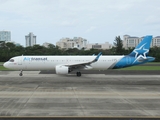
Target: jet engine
(60,69)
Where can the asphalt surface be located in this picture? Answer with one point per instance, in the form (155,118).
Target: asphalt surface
(91,95)
(112,72)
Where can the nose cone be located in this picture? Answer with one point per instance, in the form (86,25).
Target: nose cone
(5,65)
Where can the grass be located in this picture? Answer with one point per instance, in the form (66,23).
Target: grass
(1,63)
(3,68)
(153,63)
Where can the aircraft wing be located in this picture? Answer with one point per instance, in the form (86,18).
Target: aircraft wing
(83,65)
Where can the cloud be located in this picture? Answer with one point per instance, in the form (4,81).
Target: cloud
(79,17)
(90,29)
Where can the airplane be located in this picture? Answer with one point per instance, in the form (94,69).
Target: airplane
(66,64)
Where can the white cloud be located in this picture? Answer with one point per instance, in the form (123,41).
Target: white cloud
(90,29)
(84,18)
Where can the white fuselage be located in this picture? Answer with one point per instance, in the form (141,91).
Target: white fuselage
(50,62)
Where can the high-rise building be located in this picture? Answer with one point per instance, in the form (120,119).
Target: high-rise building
(30,39)
(5,36)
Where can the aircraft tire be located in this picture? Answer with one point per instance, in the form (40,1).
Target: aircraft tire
(78,74)
(20,74)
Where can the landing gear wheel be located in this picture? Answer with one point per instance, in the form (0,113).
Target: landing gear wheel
(21,73)
(78,74)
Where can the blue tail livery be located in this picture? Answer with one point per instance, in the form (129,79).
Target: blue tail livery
(138,56)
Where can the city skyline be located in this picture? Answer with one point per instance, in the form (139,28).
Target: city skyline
(30,40)
(96,21)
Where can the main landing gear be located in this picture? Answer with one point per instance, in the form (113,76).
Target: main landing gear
(21,73)
(78,74)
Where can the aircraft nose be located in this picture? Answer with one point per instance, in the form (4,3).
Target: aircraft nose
(5,65)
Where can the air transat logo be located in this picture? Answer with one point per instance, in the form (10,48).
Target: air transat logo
(26,59)
(140,53)
(34,59)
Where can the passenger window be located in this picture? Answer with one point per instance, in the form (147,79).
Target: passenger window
(11,60)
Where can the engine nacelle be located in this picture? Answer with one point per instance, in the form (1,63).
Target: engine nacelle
(60,69)
(88,67)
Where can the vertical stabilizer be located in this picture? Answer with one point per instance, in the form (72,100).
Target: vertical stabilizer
(142,49)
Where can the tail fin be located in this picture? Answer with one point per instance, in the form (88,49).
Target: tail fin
(142,49)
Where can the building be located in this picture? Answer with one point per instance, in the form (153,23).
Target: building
(5,36)
(156,41)
(104,46)
(46,44)
(76,42)
(30,39)
(131,42)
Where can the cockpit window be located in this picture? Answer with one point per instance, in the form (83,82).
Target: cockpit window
(11,60)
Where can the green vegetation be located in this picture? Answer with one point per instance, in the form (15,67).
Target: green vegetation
(1,63)
(9,50)
(150,63)
(3,68)
(118,43)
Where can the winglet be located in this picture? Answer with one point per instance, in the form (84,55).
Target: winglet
(96,59)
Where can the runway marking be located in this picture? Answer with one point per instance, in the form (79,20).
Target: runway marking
(78,101)
(70,95)
(27,100)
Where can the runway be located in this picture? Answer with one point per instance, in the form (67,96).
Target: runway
(98,95)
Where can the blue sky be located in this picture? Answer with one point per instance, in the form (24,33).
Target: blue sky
(98,21)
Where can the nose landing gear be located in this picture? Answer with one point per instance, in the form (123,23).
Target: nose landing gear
(21,73)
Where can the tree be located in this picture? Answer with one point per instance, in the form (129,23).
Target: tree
(51,46)
(10,45)
(118,45)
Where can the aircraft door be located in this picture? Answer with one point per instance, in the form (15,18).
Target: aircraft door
(20,60)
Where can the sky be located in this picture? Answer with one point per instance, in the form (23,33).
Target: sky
(98,21)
